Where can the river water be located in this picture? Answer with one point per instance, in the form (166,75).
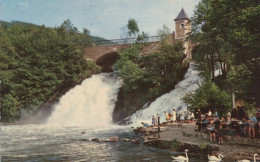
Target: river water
(88,108)
(41,143)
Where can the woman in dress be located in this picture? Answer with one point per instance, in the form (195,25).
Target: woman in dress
(173,115)
(154,121)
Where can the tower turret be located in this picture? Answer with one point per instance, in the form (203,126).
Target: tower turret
(182,25)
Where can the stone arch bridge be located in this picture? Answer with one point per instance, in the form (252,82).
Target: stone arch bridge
(106,55)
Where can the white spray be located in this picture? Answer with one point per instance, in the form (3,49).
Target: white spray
(90,104)
(169,101)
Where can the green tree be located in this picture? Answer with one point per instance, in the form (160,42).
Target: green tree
(37,62)
(163,33)
(132,27)
(208,96)
(227,34)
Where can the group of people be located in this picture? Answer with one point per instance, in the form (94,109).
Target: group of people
(180,116)
(235,123)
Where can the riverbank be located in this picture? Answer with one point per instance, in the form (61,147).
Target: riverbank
(178,137)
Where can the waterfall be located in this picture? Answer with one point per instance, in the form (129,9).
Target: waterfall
(168,101)
(90,104)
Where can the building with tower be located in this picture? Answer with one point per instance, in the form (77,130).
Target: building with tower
(182,29)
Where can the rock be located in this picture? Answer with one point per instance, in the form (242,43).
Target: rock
(135,141)
(126,140)
(113,139)
(83,132)
(95,139)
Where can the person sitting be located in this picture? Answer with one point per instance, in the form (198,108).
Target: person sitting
(145,125)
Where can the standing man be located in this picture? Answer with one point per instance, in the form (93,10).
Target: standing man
(198,113)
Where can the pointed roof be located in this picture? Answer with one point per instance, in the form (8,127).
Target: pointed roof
(182,15)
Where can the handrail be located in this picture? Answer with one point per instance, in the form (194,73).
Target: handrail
(127,41)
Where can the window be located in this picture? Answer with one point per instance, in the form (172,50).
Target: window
(182,25)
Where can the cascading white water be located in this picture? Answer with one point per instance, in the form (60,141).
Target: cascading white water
(168,101)
(90,104)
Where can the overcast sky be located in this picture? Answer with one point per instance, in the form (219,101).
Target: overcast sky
(103,18)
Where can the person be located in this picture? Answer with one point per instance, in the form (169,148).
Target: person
(146,125)
(217,122)
(154,122)
(182,117)
(209,113)
(192,117)
(234,113)
(188,117)
(158,119)
(204,122)
(170,116)
(228,117)
(224,123)
(198,116)
(241,113)
(252,121)
(167,118)
(245,126)
(173,115)
(220,132)
(234,125)
(211,131)
(258,119)
(216,113)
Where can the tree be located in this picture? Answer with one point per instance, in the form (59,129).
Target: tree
(124,33)
(142,37)
(163,33)
(208,96)
(227,35)
(132,27)
(36,62)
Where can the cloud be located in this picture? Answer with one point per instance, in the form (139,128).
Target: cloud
(23,4)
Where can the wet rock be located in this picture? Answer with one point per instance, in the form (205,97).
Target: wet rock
(95,139)
(113,139)
(135,141)
(126,140)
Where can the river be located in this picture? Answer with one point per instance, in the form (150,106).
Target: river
(88,108)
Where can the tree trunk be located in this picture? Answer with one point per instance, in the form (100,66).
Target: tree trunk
(212,67)
(233,98)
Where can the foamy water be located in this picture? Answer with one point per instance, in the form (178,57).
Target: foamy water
(168,101)
(90,104)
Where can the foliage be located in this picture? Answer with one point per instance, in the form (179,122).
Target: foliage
(208,96)
(146,77)
(163,33)
(203,146)
(132,27)
(37,61)
(142,37)
(227,35)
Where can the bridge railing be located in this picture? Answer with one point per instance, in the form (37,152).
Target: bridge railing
(128,41)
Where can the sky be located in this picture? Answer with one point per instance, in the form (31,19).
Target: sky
(103,18)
